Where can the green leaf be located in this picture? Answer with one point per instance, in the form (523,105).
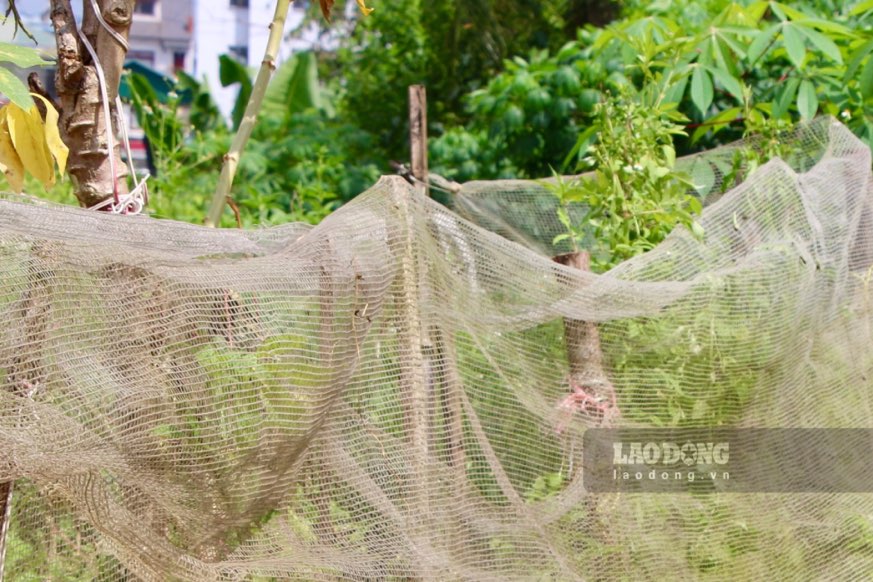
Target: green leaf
(788,11)
(725,58)
(730,83)
(731,43)
(866,79)
(862,8)
(15,89)
(231,72)
(701,89)
(22,56)
(762,42)
(786,97)
(717,122)
(856,60)
(676,91)
(794,44)
(585,139)
(294,87)
(829,26)
(822,43)
(807,100)
(141,88)
(777,10)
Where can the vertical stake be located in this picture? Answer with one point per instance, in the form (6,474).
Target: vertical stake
(443,382)
(418,136)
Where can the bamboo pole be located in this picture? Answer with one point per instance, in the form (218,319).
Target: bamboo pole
(232,157)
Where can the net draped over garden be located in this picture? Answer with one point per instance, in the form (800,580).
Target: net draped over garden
(384,396)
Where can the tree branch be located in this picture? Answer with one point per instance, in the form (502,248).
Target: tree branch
(70,68)
(13,10)
(82,123)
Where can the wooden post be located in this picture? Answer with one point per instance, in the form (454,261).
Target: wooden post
(443,382)
(418,135)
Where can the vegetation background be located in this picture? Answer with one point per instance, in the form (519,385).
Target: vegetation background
(515,89)
(527,89)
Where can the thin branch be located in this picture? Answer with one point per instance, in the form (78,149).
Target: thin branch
(231,159)
(235,208)
(13,10)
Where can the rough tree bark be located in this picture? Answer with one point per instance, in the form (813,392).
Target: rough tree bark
(82,123)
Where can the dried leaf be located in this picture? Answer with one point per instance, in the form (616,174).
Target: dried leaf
(10,162)
(28,137)
(364,9)
(56,145)
(326,6)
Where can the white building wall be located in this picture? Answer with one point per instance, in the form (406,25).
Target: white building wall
(219,26)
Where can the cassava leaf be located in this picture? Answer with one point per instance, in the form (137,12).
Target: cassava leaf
(807,100)
(866,79)
(701,89)
(794,44)
(822,43)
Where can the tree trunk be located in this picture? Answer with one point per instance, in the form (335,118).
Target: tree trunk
(82,120)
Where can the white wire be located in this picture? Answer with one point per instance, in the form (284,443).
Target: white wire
(120,39)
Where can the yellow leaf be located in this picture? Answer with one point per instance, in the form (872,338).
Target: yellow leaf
(56,145)
(28,137)
(364,8)
(9,160)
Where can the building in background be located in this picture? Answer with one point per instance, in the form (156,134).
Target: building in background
(239,28)
(189,35)
(161,35)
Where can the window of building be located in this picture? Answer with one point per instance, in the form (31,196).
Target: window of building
(145,57)
(178,61)
(240,52)
(240,3)
(145,7)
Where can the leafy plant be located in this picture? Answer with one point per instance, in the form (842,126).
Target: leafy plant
(232,72)
(296,166)
(634,196)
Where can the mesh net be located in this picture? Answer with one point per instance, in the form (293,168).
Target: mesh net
(380,397)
